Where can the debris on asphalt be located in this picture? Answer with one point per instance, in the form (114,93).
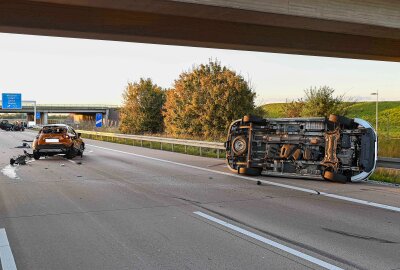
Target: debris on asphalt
(10,171)
(62,165)
(24,145)
(21,159)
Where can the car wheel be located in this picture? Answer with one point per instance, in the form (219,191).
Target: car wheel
(335,177)
(70,154)
(36,155)
(239,145)
(250,171)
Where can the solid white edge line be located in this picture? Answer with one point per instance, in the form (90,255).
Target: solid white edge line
(270,242)
(6,256)
(330,195)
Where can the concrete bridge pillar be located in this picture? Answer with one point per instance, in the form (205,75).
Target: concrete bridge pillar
(45,118)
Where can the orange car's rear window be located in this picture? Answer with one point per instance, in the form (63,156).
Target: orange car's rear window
(54,130)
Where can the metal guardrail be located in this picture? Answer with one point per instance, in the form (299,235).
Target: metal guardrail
(393,163)
(200,144)
(383,162)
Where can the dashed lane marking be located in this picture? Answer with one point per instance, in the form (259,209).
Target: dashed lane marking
(270,242)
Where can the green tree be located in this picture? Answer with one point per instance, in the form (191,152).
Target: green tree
(321,102)
(205,100)
(142,107)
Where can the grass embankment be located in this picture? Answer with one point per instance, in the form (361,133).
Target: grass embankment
(190,150)
(386,175)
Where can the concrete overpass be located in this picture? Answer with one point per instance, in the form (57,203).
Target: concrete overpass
(338,28)
(87,112)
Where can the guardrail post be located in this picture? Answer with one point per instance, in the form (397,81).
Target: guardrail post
(151,145)
(141,143)
(161,145)
(217,153)
(133,142)
(185,149)
(200,151)
(172,147)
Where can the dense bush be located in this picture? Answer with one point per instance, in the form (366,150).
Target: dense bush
(317,102)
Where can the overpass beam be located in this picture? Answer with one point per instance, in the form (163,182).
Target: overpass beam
(171,22)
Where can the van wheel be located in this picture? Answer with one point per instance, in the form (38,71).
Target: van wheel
(253,119)
(335,177)
(250,171)
(341,120)
(239,145)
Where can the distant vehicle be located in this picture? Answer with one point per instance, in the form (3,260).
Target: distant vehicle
(58,139)
(336,149)
(30,124)
(18,126)
(5,125)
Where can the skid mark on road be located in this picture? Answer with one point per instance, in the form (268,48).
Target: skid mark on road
(6,256)
(359,236)
(270,242)
(254,179)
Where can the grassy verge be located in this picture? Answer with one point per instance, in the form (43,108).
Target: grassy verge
(190,150)
(386,175)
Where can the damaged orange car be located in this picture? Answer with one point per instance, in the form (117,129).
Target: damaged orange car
(58,139)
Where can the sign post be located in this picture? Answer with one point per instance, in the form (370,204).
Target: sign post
(11,101)
(99,119)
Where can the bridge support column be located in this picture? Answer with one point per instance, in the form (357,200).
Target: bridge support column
(106,117)
(45,118)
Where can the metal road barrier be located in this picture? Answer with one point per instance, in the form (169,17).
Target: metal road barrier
(200,144)
(383,162)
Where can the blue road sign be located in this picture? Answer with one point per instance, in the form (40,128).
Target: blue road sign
(11,101)
(99,119)
(37,115)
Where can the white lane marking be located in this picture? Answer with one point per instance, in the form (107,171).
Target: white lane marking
(6,256)
(330,195)
(270,242)
(349,199)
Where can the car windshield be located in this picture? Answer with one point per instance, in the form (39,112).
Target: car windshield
(54,130)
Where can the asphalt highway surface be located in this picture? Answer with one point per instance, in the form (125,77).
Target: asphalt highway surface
(125,207)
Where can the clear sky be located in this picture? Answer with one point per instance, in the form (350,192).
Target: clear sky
(65,70)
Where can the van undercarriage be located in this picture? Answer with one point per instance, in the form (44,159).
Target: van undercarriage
(336,149)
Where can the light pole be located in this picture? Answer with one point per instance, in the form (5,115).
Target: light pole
(376,110)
